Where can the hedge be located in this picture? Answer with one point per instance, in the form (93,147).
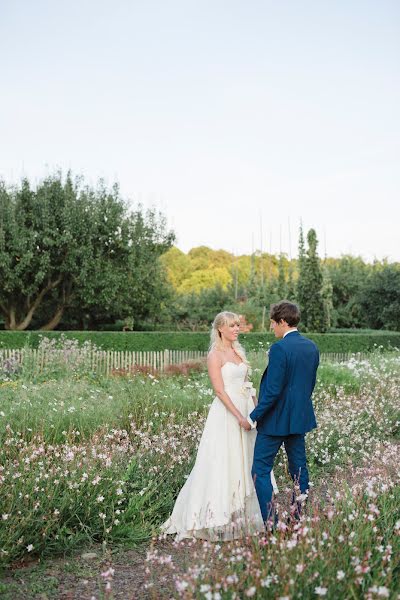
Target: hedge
(182,340)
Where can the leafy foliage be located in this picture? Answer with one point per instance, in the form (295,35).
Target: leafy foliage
(380,297)
(65,246)
(196,311)
(310,285)
(347,276)
(73,257)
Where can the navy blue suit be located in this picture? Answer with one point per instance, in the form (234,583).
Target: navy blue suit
(284,413)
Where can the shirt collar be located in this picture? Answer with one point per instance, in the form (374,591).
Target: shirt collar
(291,331)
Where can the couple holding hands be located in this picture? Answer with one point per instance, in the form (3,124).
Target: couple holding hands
(229,492)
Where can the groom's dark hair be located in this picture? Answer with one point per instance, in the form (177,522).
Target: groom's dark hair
(288,311)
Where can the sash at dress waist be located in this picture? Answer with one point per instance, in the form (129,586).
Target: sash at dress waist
(245,389)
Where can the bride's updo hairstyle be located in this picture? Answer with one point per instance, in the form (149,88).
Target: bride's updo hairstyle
(225,318)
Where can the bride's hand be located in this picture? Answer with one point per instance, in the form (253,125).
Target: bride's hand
(244,423)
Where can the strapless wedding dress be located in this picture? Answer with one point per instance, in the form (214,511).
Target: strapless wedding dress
(218,501)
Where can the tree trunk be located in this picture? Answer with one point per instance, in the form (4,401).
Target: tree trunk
(56,318)
(11,320)
(54,321)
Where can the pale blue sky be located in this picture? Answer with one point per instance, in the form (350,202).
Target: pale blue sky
(223,114)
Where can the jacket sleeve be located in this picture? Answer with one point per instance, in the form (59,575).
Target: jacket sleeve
(275,379)
(315,372)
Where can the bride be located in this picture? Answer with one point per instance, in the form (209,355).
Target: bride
(218,501)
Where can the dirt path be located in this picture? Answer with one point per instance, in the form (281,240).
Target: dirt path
(80,576)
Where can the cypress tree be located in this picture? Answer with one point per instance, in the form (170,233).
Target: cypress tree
(301,288)
(281,286)
(315,315)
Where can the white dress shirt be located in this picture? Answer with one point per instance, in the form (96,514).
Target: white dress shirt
(254,423)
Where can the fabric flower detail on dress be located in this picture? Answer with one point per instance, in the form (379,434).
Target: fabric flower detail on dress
(247,388)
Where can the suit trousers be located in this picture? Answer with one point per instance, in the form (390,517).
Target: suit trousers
(265,450)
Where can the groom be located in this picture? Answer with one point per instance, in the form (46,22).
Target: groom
(284,413)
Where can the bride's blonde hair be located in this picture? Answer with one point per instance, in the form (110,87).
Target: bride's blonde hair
(226,318)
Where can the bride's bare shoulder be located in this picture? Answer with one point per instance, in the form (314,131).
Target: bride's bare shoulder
(215,358)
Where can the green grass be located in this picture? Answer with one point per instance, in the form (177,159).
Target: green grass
(56,408)
(54,403)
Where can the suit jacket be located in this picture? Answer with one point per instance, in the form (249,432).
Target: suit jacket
(284,402)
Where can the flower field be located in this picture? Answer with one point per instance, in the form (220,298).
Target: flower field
(88,459)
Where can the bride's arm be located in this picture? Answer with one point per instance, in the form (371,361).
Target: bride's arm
(214,371)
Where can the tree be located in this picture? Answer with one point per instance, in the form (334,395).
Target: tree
(254,283)
(347,275)
(301,289)
(380,297)
(65,245)
(177,265)
(310,285)
(291,287)
(327,295)
(206,279)
(197,311)
(281,284)
(145,290)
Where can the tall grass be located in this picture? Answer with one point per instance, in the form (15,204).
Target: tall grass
(87,459)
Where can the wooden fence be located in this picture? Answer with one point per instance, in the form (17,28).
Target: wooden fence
(109,361)
(100,361)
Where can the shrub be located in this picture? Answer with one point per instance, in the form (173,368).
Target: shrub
(186,368)
(182,340)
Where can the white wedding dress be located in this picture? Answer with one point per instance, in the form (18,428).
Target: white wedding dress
(218,502)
